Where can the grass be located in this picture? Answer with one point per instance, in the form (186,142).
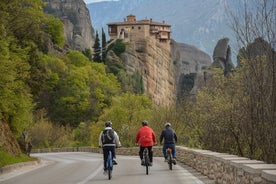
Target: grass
(7,159)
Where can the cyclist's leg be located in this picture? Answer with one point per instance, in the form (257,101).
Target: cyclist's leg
(112,149)
(165,151)
(150,153)
(173,151)
(105,155)
(172,146)
(141,152)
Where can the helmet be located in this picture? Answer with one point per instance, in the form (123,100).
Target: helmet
(167,124)
(108,124)
(144,123)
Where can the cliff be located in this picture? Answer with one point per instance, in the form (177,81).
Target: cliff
(189,64)
(154,63)
(168,75)
(169,72)
(78,30)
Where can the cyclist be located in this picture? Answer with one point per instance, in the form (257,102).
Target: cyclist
(170,138)
(109,145)
(146,139)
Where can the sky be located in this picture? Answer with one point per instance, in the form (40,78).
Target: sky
(94,1)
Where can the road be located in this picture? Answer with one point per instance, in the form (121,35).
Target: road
(86,168)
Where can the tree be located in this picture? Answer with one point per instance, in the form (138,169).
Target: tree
(97,49)
(255,30)
(127,111)
(104,49)
(15,100)
(54,27)
(88,54)
(118,47)
(81,92)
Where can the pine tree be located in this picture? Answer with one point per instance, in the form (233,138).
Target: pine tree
(88,54)
(97,49)
(104,49)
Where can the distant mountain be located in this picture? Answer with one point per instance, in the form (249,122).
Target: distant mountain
(200,23)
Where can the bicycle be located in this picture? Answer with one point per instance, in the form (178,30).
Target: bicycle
(146,160)
(109,163)
(169,157)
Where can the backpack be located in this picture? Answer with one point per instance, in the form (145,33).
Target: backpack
(108,136)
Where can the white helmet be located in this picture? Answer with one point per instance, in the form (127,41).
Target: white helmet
(167,124)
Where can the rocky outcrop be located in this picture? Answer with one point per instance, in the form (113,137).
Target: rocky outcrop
(168,75)
(78,30)
(222,56)
(154,63)
(8,142)
(189,64)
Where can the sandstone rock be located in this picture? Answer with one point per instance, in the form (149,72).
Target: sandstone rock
(189,64)
(78,30)
(155,65)
(222,56)
(8,142)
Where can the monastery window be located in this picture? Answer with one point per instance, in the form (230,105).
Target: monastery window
(139,27)
(132,27)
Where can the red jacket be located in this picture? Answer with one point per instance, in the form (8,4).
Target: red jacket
(145,136)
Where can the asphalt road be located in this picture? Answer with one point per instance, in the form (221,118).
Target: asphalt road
(86,168)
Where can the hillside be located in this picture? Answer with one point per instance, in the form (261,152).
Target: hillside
(199,23)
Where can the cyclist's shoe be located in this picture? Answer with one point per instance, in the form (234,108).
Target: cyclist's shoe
(142,162)
(150,163)
(174,161)
(165,160)
(114,162)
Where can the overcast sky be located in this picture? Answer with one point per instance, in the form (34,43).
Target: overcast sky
(94,1)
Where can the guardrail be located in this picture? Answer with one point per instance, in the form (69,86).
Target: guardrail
(221,167)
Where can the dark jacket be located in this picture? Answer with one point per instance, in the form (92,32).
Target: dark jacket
(169,136)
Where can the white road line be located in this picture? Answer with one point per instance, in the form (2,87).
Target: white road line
(91,176)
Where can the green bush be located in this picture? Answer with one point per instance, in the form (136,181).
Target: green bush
(7,159)
(118,47)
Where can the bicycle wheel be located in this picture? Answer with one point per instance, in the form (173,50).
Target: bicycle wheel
(146,157)
(170,161)
(169,153)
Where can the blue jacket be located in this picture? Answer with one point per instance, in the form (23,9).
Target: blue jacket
(169,136)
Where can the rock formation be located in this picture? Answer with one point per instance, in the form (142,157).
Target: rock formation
(168,72)
(154,63)
(8,141)
(189,63)
(222,56)
(78,30)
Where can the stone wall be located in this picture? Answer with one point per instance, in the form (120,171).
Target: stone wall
(221,167)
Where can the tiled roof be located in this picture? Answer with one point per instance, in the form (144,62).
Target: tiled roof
(139,22)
